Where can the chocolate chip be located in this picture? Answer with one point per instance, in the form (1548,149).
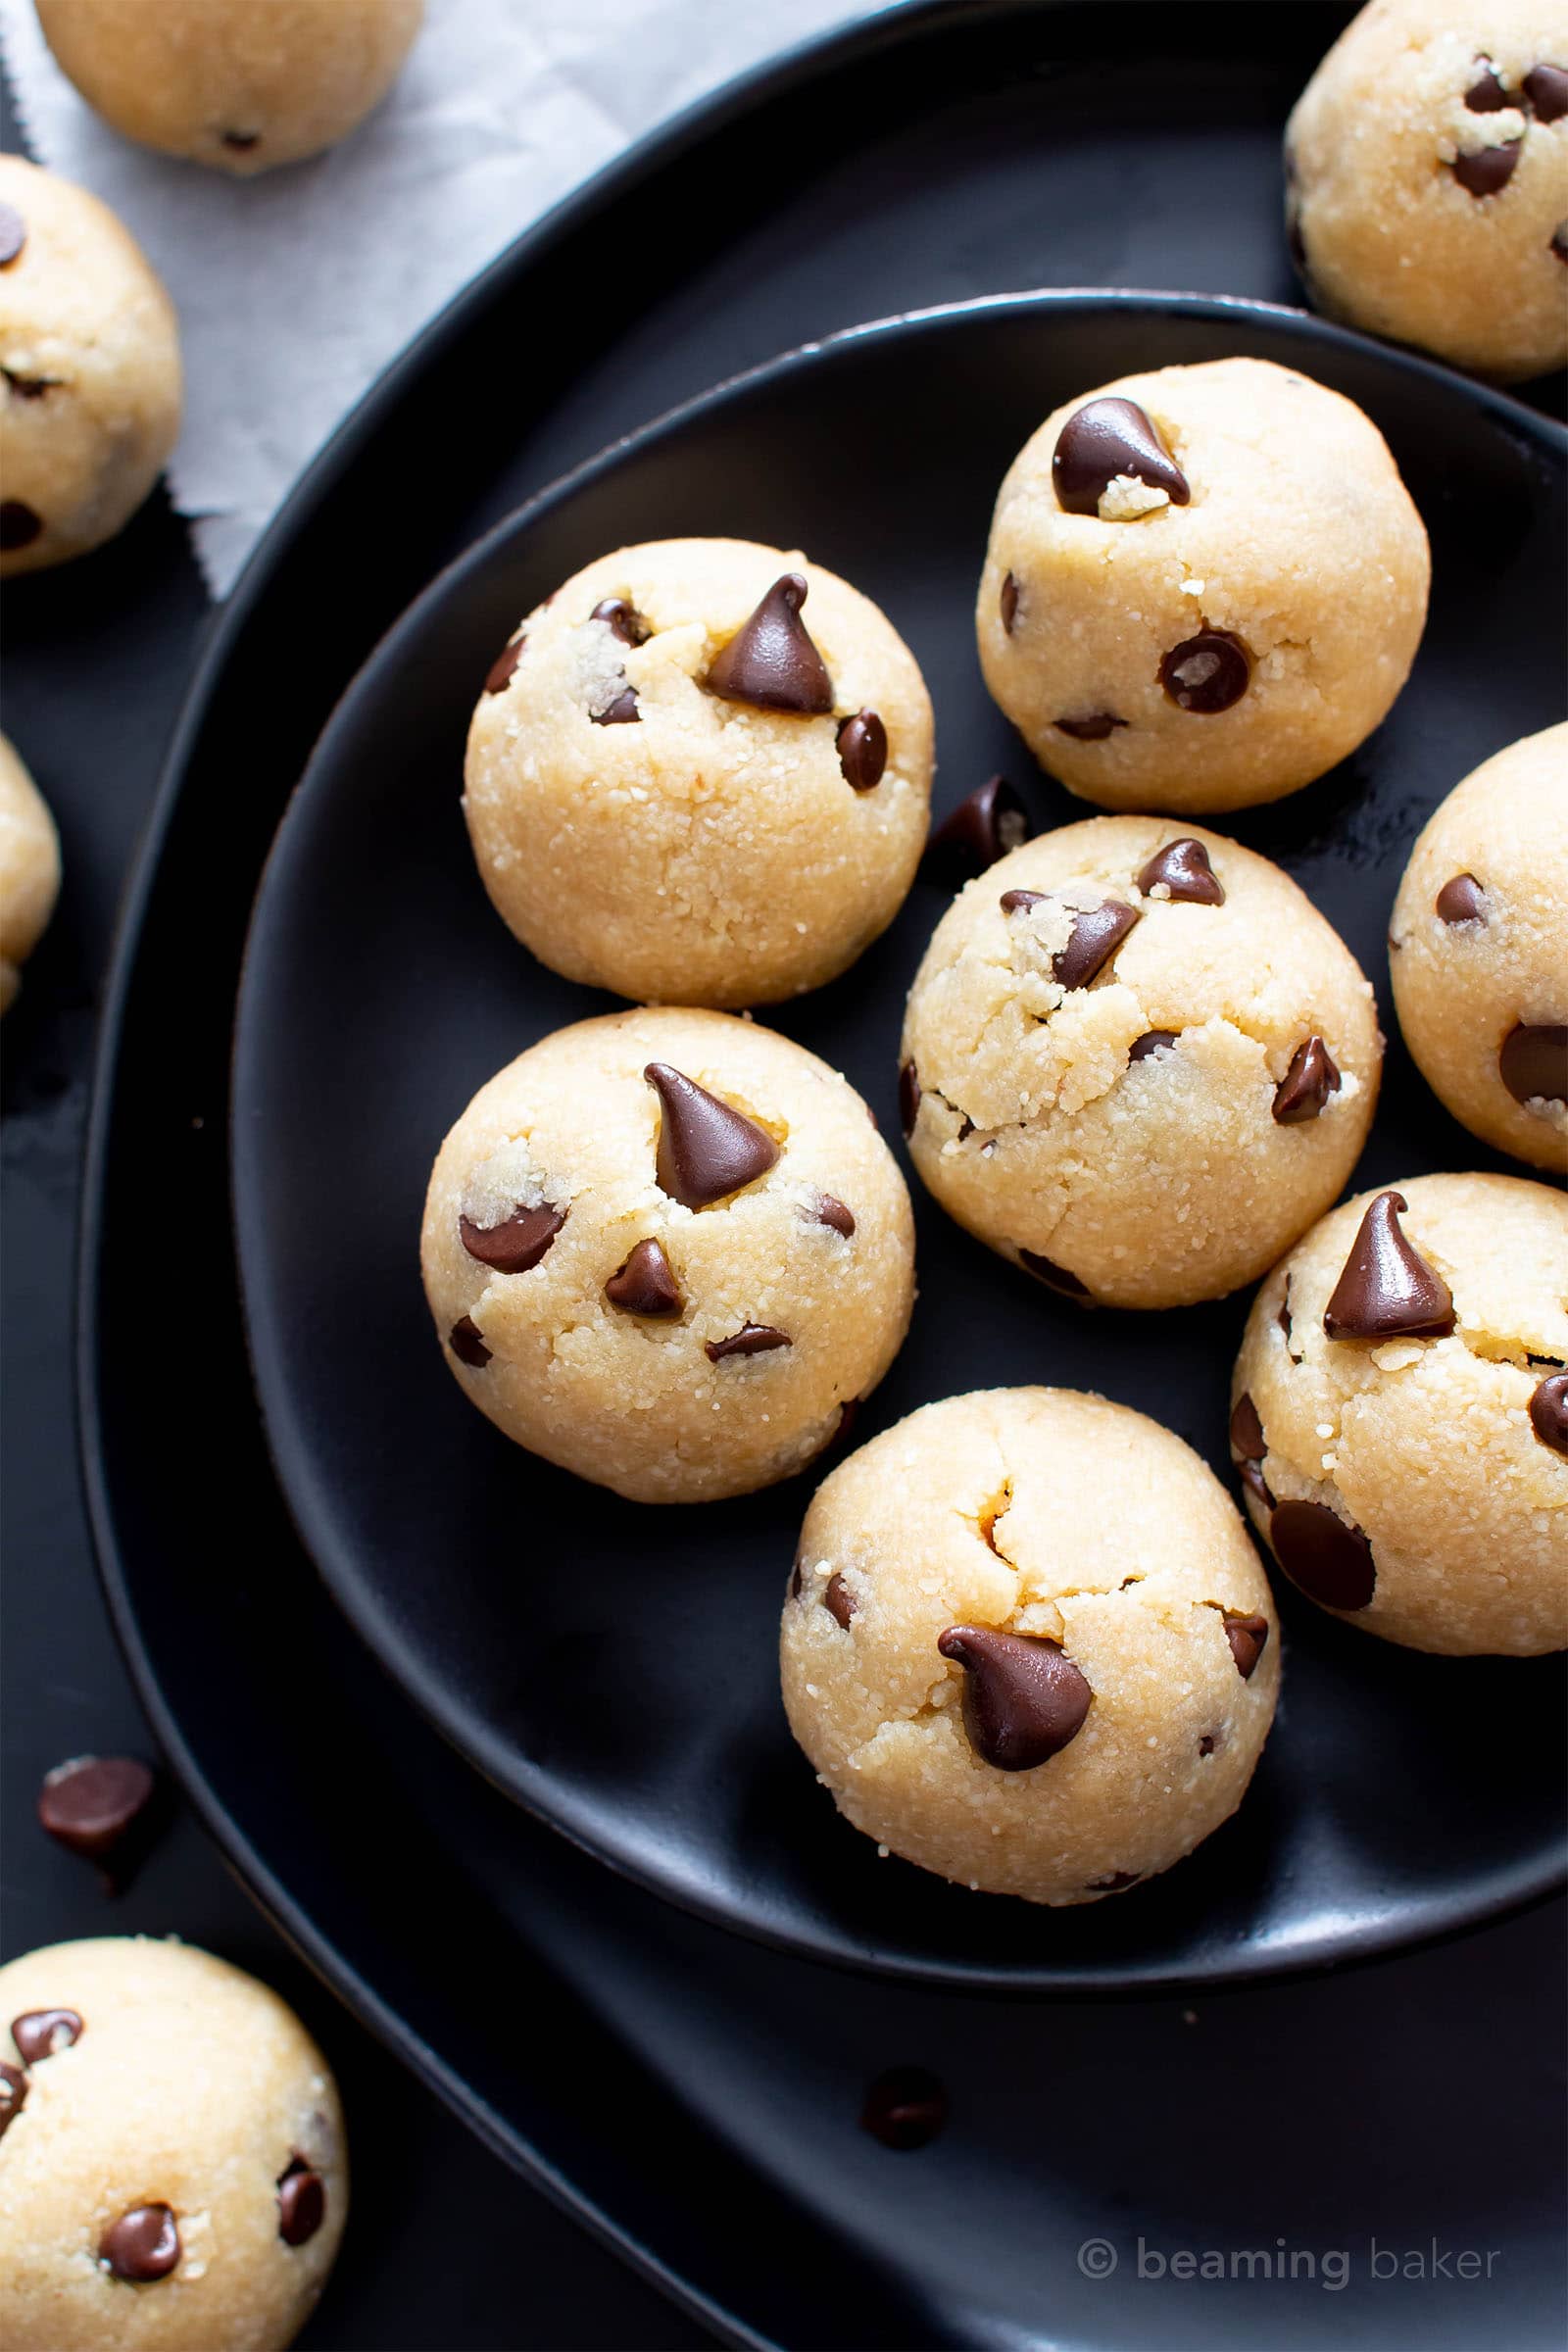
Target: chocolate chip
(1328,1558)
(1209,1742)
(1533,1062)
(1114,1881)
(706,1149)
(797,1582)
(242,141)
(1150,1043)
(505,664)
(1097,933)
(838,1599)
(1013,902)
(1247,1442)
(1309,1082)
(831,1211)
(1054,1276)
(1549,1412)
(1248,1638)
(1559,241)
(20,527)
(983,828)
(1283,1319)
(621,712)
(864,750)
(13,234)
(1183,867)
(142,2245)
(1009,603)
(12,2094)
(1251,1477)
(301,2202)
(908,1097)
(645,1285)
(518,1244)
(1023,1698)
(92,1804)
(1486,94)
(1546,88)
(753,1339)
(466,1345)
(39,2034)
(1092,729)
(849,1414)
(622,620)
(1488,170)
(1462,901)
(772,661)
(904,2108)
(1386,1289)
(1103,439)
(1206,673)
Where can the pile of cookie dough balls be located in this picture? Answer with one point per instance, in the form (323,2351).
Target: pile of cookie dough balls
(172,2170)
(1038,1717)
(1427,180)
(1205,586)
(30,870)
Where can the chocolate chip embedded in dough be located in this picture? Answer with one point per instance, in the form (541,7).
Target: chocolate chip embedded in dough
(1247,1442)
(982,828)
(41,2034)
(1310,1079)
(1328,1558)
(1023,1698)
(1488,170)
(1093,727)
(1206,673)
(1097,934)
(1533,1062)
(706,1149)
(518,1244)
(1546,88)
(908,1097)
(1183,867)
(1462,901)
(1486,94)
(1248,1638)
(1106,438)
(645,1285)
(1008,603)
(1549,1412)
(12,2094)
(301,2202)
(832,1213)
(1387,1290)
(142,2245)
(753,1339)
(864,750)
(838,1600)
(466,1345)
(504,666)
(1150,1042)
(1559,241)
(622,620)
(772,661)
(622,711)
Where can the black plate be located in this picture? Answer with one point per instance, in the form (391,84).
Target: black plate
(613,1667)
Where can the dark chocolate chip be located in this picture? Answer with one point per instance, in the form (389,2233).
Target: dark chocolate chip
(832,1211)
(864,750)
(39,2032)
(1150,1043)
(1283,1319)
(1249,1638)
(1462,901)
(645,1285)
(301,2202)
(1488,170)
(1247,1442)
(1103,439)
(1206,673)
(622,620)
(142,2245)
(772,661)
(1386,1289)
(518,1244)
(505,664)
(849,1414)
(753,1339)
(904,2108)
(1054,1276)
(1309,1082)
(1013,902)
(1533,1062)
(1023,1698)
(1093,728)
(1183,867)
(1209,1742)
(20,527)
(30,387)
(241,141)
(838,1599)
(1486,94)
(1559,241)
(908,1097)
(1097,933)
(1546,88)
(1009,603)
(1251,1477)
(466,1345)
(1114,1881)
(1549,1412)
(621,712)
(983,828)
(13,234)
(706,1149)
(12,2094)
(797,1582)
(1330,1559)
(93,1803)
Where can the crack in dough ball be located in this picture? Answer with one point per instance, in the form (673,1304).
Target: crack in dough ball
(1045,1719)
(1137,1094)
(29,869)
(690,788)
(1204,587)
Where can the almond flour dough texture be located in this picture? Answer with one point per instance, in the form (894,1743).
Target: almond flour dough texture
(1205,586)
(700,774)
(1427,180)
(1478,950)
(30,870)
(1028,1646)
(172,2168)
(1401,1416)
(668,1251)
(1138,1061)
(89,371)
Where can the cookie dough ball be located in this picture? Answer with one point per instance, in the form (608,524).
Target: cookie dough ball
(29,869)
(1138,1061)
(698,774)
(1401,1414)
(1205,586)
(1427,180)
(89,371)
(668,1251)
(1037,1716)
(173,2170)
(225,82)
(1478,950)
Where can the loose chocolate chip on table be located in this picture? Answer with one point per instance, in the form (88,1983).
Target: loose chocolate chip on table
(1386,1289)
(1097,933)
(1183,868)
(142,2245)
(92,1803)
(40,2033)
(1009,603)
(1247,1442)
(833,1212)
(301,2203)
(505,664)
(1488,171)
(1248,1638)
(1486,94)
(1533,1062)
(1094,727)
(904,2108)
(838,1599)
(20,527)
(1103,439)
(13,234)
(621,622)
(864,750)
(1549,1412)
(772,661)
(12,2094)
(908,1097)
(645,1285)
(753,1339)
(983,828)
(1328,1558)
(1309,1082)
(1206,673)
(706,1149)
(1054,1276)
(466,1345)
(621,712)
(1546,88)
(1023,1698)
(1115,1882)
(1462,901)
(1150,1043)
(518,1244)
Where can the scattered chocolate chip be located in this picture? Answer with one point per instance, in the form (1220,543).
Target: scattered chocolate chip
(908,1097)
(838,1599)
(904,2108)
(1309,1082)
(1183,868)
(516,1244)
(1462,901)
(1009,603)
(13,234)
(1248,1638)
(1546,88)
(242,141)
(466,1345)
(864,750)
(1533,1062)
(1247,1442)
(621,712)
(706,1149)
(1206,673)
(1106,438)
(20,527)
(1486,94)
(831,1211)
(1328,1558)
(1386,1289)
(1488,170)
(301,2202)
(39,2034)
(645,1285)
(1097,933)
(1023,1698)
(93,1804)
(622,620)
(753,1339)
(1549,1412)
(983,828)
(1054,1276)
(505,664)
(1114,1881)
(142,2245)
(12,2094)
(1150,1043)
(1093,728)
(772,661)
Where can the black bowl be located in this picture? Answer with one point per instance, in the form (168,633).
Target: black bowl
(612,1668)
